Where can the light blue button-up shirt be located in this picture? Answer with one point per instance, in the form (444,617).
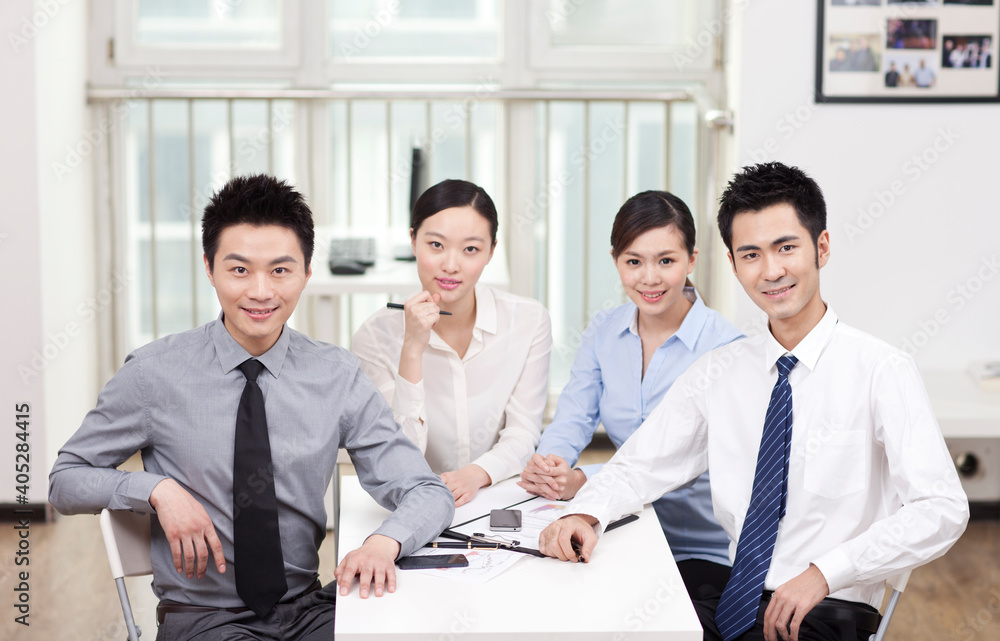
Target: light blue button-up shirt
(606,386)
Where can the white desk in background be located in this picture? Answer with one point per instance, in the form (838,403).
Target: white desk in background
(969,417)
(631,590)
(387,276)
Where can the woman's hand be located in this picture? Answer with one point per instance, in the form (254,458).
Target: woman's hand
(422,314)
(464,483)
(551,477)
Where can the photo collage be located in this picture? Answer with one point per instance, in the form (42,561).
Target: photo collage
(886,49)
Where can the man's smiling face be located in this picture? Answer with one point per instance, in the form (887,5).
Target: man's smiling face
(259,273)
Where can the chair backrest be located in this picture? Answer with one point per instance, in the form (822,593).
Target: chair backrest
(898,584)
(126,539)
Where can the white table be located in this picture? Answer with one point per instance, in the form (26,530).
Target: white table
(387,276)
(631,590)
(969,417)
(962,407)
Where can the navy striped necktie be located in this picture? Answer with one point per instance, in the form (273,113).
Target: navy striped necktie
(737,610)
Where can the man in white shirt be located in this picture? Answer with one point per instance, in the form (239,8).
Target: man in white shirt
(867,489)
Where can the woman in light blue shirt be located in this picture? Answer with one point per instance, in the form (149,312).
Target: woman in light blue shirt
(628,358)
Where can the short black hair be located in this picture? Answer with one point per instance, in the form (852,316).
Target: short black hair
(454,193)
(773,183)
(257,200)
(649,210)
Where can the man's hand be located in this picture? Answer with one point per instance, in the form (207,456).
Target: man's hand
(791,602)
(465,483)
(559,537)
(188,529)
(551,477)
(374,562)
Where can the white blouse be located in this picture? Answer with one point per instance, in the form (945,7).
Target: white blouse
(485,408)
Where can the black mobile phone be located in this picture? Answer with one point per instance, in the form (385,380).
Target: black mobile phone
(505,520)
(433,561)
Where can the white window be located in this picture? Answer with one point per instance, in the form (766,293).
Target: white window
(560,109)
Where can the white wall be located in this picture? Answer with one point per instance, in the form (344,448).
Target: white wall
(66,218)
(48,216)
(900,274)
(21,383)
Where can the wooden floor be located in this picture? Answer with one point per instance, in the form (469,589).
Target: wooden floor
(73,598)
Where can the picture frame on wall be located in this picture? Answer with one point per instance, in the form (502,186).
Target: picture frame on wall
(899,51)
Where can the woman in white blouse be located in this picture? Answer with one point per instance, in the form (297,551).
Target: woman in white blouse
(470,388)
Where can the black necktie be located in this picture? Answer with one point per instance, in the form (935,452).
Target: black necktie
(259,566)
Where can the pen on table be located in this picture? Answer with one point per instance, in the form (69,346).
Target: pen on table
(400,306)
(466,545)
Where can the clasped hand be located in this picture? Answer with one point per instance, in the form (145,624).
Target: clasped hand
(551,477)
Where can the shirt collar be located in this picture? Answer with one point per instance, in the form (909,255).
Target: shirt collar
(809,348)
(486,319)
(231,353)
(690,328)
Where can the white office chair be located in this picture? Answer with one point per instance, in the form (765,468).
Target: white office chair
(898,584)
(126,539)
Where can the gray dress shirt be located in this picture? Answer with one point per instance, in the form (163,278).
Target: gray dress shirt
(175,401)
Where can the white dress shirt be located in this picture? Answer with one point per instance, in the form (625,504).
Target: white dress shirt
(484,408)
(872,491)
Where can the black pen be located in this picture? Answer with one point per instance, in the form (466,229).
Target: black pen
(467,545)
(400,306)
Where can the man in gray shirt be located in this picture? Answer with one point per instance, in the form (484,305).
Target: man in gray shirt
(175,400)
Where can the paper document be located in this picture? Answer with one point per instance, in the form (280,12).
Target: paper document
(483,564)
(487,498)
(536,514)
